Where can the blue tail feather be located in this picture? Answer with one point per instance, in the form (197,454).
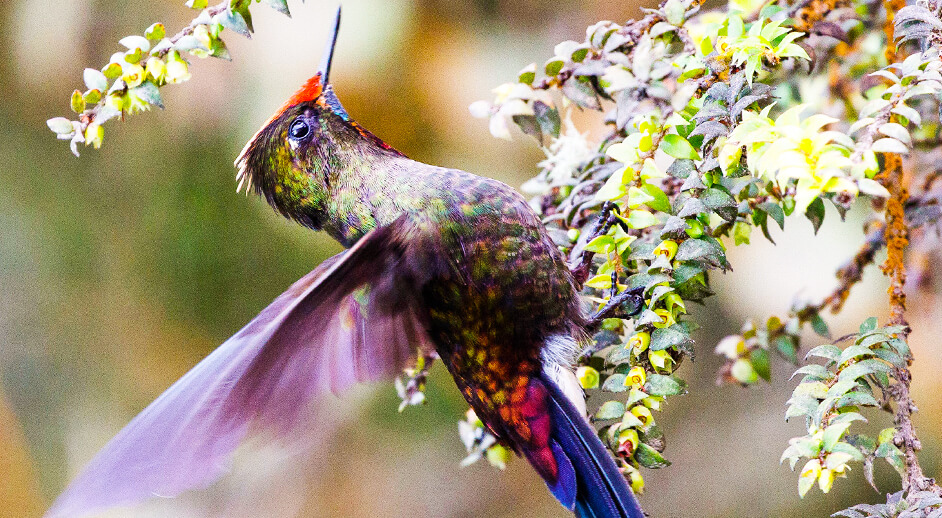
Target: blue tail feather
(565,489)
(586,468)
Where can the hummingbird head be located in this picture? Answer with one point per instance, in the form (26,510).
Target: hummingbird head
(299,157)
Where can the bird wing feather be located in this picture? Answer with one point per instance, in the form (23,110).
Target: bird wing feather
(350,320)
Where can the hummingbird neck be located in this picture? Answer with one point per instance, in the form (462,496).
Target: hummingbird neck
(331,175)
(361,182)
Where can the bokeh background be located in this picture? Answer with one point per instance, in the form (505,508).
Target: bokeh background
(119,270)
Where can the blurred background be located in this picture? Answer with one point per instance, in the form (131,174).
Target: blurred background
(119,270)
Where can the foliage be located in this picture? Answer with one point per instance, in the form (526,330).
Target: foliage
(830,397)
(132,79)
(720,123)
(717,124)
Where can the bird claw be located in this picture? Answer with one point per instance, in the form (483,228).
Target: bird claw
(617,302)
(608,217)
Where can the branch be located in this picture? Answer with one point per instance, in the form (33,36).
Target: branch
(896,236)
(131,81)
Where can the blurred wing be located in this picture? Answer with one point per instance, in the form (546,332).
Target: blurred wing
(345,322)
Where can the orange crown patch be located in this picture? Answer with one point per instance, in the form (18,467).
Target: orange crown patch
(310,91)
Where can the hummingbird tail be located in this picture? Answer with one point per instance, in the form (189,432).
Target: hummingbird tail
(588,481)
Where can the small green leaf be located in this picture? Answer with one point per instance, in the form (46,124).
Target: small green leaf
(863,368)
(801,405)
(833,433)
(741,232)
(659,200)
(721,202)
(234,21)
(619,354)
(661,385)
(743,372)
(631,421)
(637,197)
(638,219)
(890,357)
(111,71)
(775,212)
(805,483)
(678,147)
(868,325)
(615,383)
(761,364)
(837,460)
(814,370)
(787,347)
(856,399)
(527,75)
(692,249)
(635,395)
(279,5)
(219,50)
(815,389)
(529,126)
(548,118)
(600,282)
(610,410)
(92,97)
(854,351)
(665,337)
(149,93)
(601,244)
(647,317)
(815,213)
(842,387)
(614,186)
(828,351)
(578,55)
(820,326)
(649,457)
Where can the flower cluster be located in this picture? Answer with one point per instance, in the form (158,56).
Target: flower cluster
(132,79)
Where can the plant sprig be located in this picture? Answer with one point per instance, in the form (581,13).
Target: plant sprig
(132,79)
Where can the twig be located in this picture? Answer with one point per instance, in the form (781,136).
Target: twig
(896,235)
(89,116)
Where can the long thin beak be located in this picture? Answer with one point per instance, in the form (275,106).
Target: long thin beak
(328,56)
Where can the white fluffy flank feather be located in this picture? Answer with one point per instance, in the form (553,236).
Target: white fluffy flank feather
(558,355)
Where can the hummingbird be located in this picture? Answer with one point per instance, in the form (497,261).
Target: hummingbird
(437,261)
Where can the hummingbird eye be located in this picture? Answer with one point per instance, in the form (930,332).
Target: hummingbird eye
(299,129)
